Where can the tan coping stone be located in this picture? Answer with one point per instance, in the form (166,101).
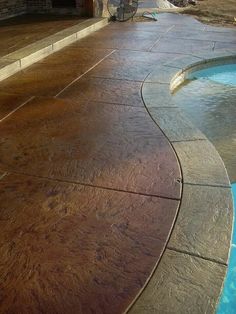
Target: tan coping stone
(180,284)
(94,24)
(212,62)
(78,27)
(74,33)
(61,41)
(175,125)
(32,53)
(8,67)
(69,36)
(204,223)
(201,163)
(208,60)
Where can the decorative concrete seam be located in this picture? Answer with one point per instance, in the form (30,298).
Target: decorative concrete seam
(24,57)
(190,275)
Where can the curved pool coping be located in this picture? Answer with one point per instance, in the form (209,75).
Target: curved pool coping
(190,275)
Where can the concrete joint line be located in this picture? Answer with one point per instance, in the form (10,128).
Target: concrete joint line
(3,175)
(38,50)
(13,111)
(197,255)
(93,186)
(75,80)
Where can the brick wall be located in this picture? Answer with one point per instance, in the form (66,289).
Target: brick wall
(12,7)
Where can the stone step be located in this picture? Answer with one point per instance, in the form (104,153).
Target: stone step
(22,58)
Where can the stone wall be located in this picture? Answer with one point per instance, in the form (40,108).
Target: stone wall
(38,5)
(10,8)
(100,8)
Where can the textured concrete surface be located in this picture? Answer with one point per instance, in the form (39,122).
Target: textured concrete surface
(18,32)
(117,147)
(162,74)
(204,222)
(181,284)
(201,164)
(75,162)
(8,67)
(76,249)
(202,233)
(175,124)
(10,103)
(40,49)
(105,90)
(93,185)
(157,95)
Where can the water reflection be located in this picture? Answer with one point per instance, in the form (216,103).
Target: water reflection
(212,108)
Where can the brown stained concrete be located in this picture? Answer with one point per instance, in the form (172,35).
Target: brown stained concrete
(113,146)
(93,185)
(68,248)
(121,92)
(76,56)
(10,102)
(18,32)
(121,40)
(41,80)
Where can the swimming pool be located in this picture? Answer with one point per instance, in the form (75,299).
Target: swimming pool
(208,97)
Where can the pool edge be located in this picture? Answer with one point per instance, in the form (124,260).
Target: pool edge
(176,281)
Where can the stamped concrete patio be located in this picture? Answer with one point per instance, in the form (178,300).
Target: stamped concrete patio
(103,211)
(17,32)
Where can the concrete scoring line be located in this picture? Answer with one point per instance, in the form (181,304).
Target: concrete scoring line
(16,109)
(92,185)
(91,68)
(213,260)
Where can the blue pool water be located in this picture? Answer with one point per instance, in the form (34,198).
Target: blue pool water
(209,99)
(227,303)
(225,74)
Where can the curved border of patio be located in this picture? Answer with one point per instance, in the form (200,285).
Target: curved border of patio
(190,275)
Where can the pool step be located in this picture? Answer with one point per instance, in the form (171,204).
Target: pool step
(22,58)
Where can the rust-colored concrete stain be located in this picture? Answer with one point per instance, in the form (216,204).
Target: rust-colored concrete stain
(89,185)
(112,146)
(67,248)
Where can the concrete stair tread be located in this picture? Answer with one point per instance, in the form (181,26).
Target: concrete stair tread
(22,58)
